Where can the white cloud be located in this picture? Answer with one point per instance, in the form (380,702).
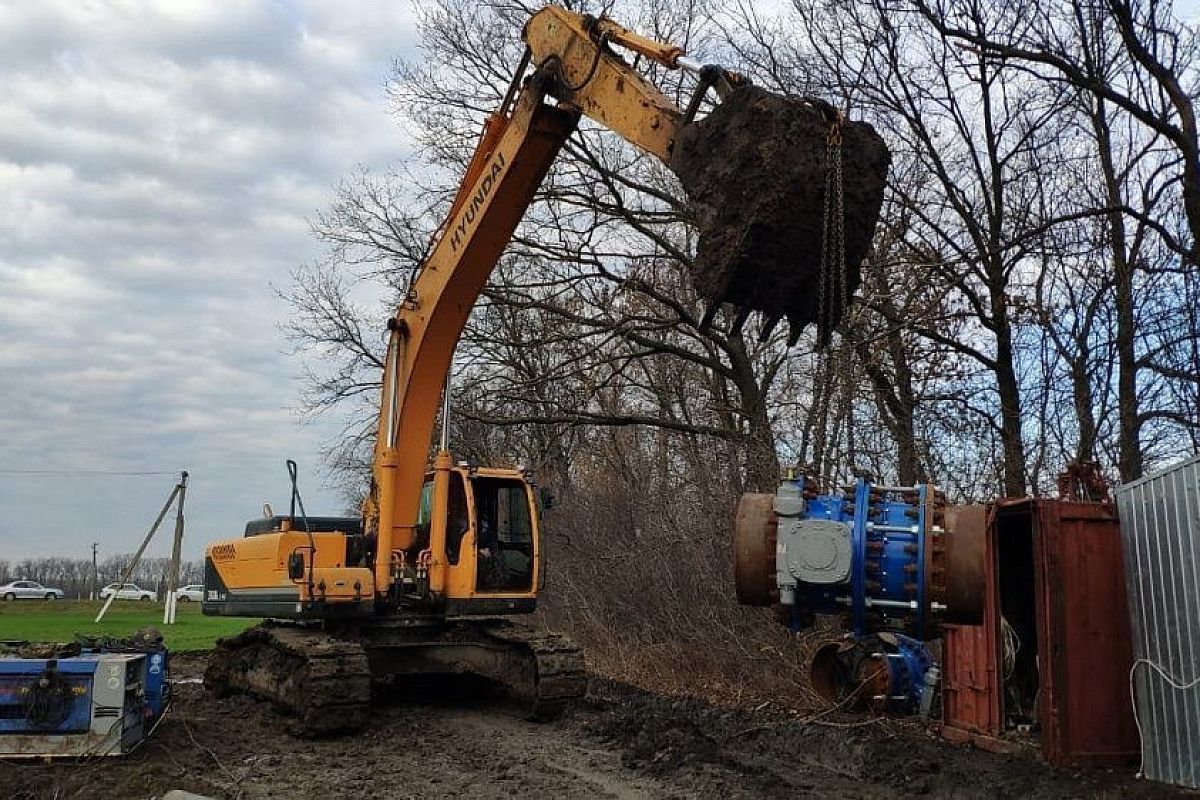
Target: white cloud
(158,161)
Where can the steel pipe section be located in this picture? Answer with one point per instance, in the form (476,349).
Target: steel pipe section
(891,558)
(881,673)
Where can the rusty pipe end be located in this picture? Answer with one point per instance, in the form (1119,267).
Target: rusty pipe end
(966,535)
(754,527)
(844,673)
(827,673)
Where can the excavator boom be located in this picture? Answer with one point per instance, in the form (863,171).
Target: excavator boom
(575,66)
(430,321)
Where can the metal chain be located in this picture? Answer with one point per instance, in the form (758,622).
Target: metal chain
(833,257)
(822,277)
(844,363)
(821,359)
(839,221)
(833,230)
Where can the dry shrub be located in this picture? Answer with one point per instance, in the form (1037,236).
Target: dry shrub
(639,570)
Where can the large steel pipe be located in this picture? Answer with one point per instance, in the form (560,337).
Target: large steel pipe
(892,558)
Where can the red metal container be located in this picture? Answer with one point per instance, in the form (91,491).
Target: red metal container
(1055,578)
(971,653)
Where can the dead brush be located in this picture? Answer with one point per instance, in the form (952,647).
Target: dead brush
(645,585)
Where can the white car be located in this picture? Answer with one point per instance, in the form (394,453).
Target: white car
(190,593)
(126,591)
(29,590)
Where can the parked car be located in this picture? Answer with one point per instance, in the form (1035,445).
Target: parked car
(29,590)
(190,593)
(126,591)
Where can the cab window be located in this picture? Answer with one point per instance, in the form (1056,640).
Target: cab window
(504,533)
(425,514)
(458,521)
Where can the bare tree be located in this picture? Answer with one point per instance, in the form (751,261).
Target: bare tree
(1063,41)
(601,260)
(976,137)
(1131,67)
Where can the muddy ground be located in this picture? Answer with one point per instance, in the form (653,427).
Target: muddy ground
(620,743)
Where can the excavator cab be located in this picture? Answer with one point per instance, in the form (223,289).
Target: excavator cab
(487,551)
(505,516)
(491,541)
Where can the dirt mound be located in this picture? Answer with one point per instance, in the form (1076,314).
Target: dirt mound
(721,752)
(655,739)
(756,170)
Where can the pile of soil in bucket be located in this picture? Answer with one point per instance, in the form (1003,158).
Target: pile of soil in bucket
(756,170)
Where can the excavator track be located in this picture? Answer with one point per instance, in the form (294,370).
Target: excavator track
(322,680)
(557,675)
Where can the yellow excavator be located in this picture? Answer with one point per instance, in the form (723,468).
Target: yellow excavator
(429,579)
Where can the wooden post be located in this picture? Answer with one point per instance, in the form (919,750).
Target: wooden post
(173,576)
(138,555)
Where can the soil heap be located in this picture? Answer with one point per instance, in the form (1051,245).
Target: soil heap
(756,170)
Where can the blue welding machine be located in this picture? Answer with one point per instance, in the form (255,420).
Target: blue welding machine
(88,701)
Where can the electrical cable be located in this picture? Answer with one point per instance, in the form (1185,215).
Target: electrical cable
(1012,644)
(1166,676)
(146,737)
(48,699)
(82,473)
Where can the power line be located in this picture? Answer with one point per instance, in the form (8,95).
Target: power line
(83,473)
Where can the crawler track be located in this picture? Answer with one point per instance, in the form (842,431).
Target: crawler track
(556,667)
(323,677)
(323,680)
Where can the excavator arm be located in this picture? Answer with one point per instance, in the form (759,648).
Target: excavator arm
(574,65)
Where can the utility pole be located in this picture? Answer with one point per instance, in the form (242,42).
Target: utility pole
(150,535)
(173,577)
(95,573)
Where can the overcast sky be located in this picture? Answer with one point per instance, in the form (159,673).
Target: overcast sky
(158,163)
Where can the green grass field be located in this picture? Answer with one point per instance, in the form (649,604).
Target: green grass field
(59,621)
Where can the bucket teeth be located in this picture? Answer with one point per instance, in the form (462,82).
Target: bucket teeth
(769,327)
(794,332)
(739,321)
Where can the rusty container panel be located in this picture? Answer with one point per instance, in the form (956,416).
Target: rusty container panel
(970,659)
(970,688)
(1083,634)
(1160,522)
